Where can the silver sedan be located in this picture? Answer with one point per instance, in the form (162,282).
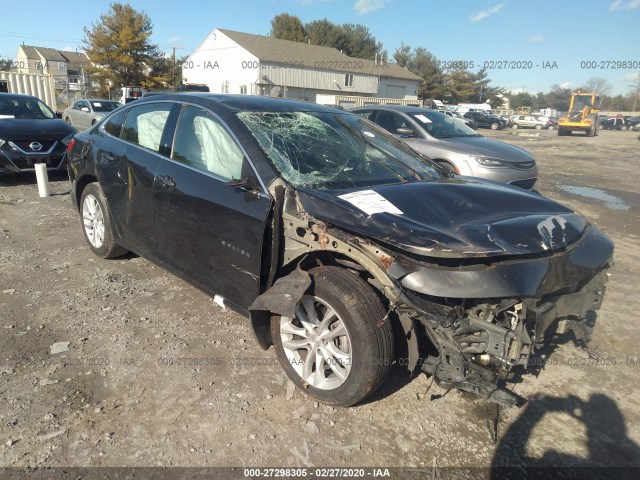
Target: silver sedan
(87,112)
(454,146)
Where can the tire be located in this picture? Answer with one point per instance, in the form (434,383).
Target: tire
(590,132)
(538,127)
(495,126)
(515,126)
(96,223)
(447,166)
(362,356)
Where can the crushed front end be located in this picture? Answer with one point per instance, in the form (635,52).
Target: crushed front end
(485,318)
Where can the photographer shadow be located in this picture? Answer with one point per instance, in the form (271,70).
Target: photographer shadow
(611,453)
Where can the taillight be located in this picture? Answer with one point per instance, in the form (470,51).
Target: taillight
(70,145)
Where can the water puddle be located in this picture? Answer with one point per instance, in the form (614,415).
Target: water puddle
(610,201)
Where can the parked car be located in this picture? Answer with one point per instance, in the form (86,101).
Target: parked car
(87,112)
(454,146)
(549,121)
(486,120)
(634,123)
(527,121)
(348,250)
(469,122)
(30,132)
(614,123)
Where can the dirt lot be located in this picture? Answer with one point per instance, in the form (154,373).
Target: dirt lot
(130,390)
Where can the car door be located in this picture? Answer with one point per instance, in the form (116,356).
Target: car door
(83,114)
(209,228)
(73,113)
(135,140)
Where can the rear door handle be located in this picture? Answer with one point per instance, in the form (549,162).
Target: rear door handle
(166,181)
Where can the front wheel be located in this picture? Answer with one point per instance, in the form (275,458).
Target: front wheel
(339,346)
(495,126)
(96,223)
(538,127)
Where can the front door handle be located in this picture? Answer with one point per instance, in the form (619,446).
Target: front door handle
(166,181)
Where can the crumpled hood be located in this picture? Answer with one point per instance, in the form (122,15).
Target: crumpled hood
(16,129)
(486,147)
(452,217)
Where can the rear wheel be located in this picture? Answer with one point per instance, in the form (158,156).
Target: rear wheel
(538,127)
(339,346)
(96,223)
(495,126)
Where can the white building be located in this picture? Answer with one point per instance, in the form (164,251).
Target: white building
(241,63)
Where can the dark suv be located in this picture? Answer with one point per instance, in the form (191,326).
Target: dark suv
(615,123)
(30,132)
(486,120)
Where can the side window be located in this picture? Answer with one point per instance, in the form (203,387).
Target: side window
(391,121)
(113,125)
(145,123)
(202,142)
(76,106)
(368,114)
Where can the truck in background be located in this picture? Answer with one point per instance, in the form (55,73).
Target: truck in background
(129,94)
(36,84)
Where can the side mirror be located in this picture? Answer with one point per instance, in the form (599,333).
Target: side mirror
(58,114)
(247,183)
(406,132)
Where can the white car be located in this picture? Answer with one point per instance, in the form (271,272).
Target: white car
(87,112)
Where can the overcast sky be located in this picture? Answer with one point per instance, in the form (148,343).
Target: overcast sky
(574,39)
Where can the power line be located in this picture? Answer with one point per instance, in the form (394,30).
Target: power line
(39,37)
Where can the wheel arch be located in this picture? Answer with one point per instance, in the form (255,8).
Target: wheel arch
(81,184)
(376,277)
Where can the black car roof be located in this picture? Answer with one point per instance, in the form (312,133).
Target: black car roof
(253,103)
(399,108)
(13,96)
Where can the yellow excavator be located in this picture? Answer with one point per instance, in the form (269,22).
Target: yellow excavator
(582,115)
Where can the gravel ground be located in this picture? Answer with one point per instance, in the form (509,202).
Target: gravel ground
(156,374)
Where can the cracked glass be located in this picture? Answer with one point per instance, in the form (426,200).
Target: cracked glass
(334,151)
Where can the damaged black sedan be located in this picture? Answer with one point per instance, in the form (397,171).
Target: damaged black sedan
(348,250)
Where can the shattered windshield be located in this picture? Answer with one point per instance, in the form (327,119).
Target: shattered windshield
(440,125)
(334,151)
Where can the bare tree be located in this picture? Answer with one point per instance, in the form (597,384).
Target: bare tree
(597,85)
(635,91)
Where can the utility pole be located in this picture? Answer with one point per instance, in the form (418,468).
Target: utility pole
(174,70)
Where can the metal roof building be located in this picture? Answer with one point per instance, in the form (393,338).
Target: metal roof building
(236,62)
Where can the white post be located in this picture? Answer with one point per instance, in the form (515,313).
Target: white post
(43,179)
